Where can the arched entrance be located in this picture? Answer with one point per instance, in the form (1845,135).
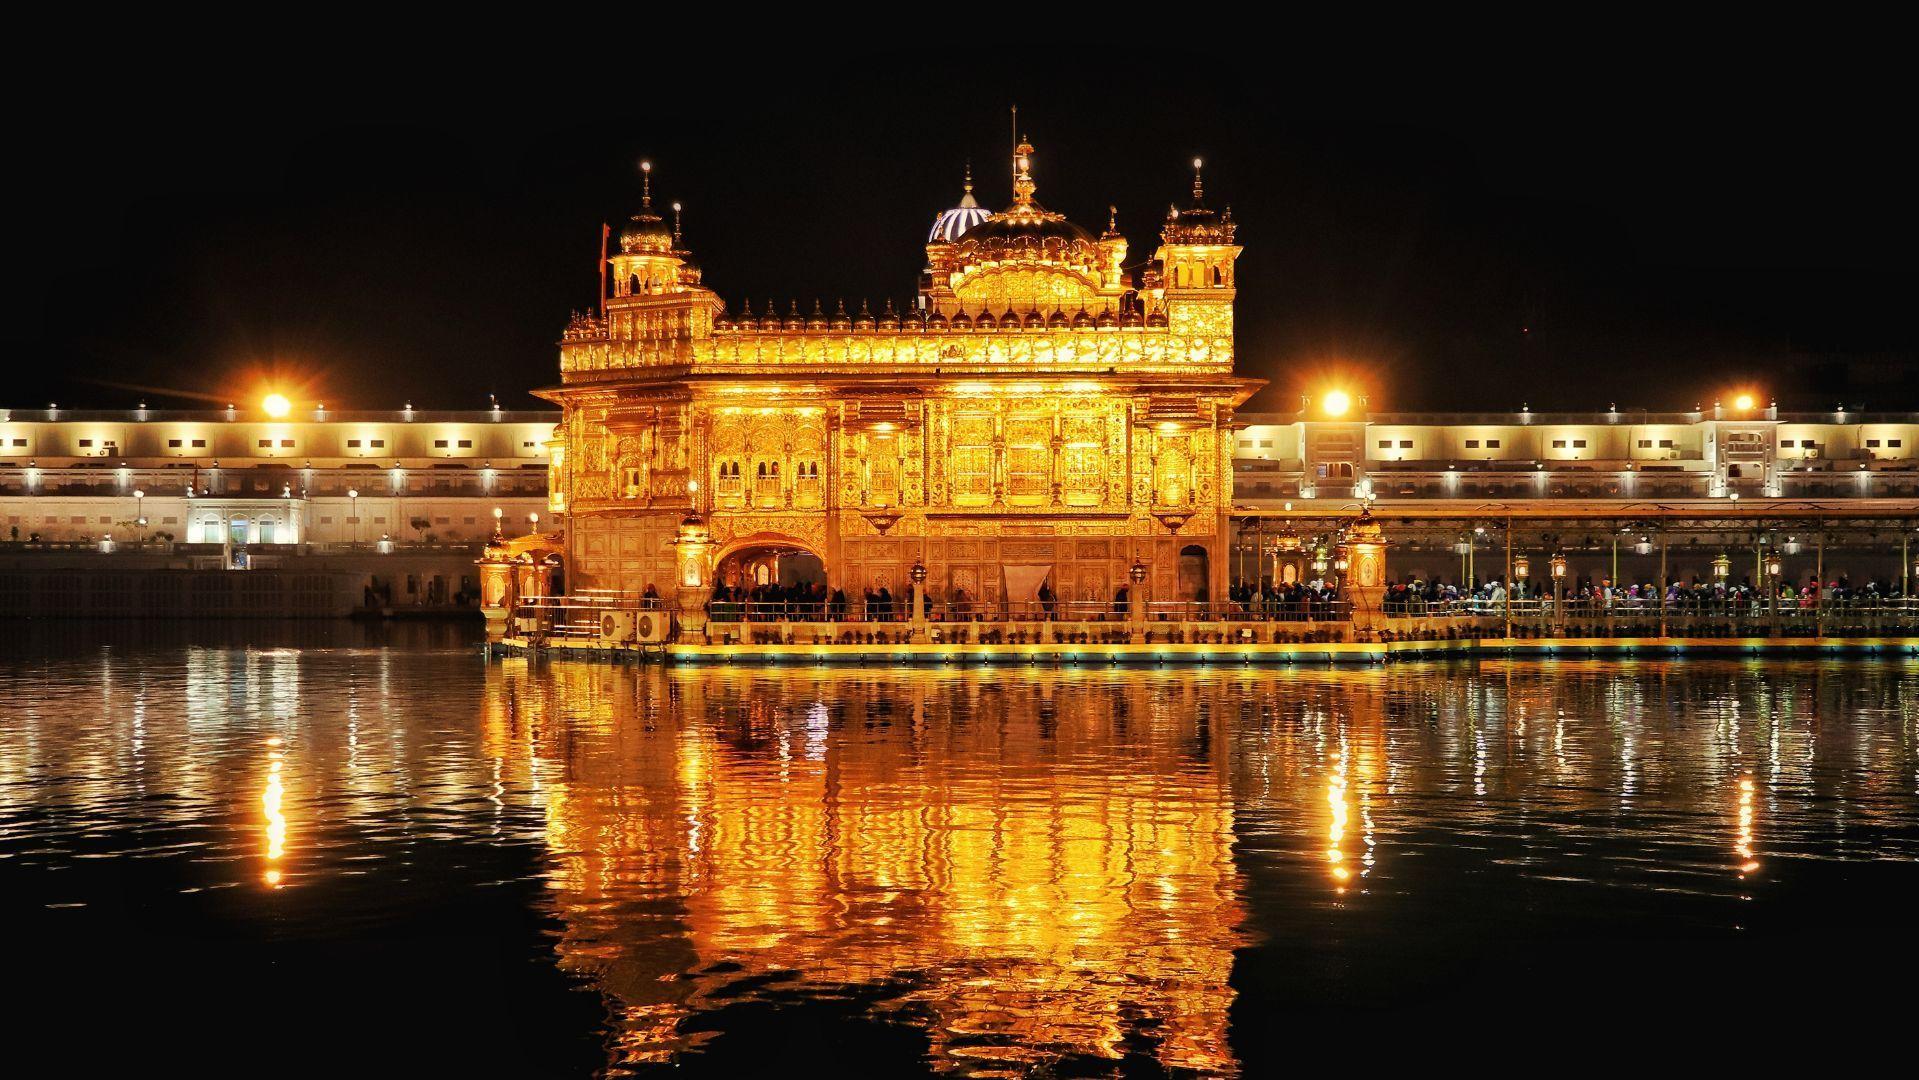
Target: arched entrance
(763,565)
(1194,580)
(766,578)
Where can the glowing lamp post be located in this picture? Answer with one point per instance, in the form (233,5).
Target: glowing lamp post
(917,575)
(693,582)
(1136,599)
(353,511)
(1361,564)
(1775,569)
(497,595)
(1558,564)
(139,513)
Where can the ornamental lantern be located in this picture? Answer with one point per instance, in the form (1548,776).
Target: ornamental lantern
(918,572)
(1137,572)
(1522,567)
(1722,566)
(1340,561)
(1559,565)
(1774,565)
(1320,562)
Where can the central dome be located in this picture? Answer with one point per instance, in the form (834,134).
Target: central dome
(1025,224)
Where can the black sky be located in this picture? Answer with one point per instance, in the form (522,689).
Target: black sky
(1649,231)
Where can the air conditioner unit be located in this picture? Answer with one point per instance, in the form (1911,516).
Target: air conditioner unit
(628,627)
(616,626)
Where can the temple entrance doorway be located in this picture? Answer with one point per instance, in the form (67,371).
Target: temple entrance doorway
(1193,578)
(771,564)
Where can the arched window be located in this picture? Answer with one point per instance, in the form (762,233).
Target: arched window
(806,486)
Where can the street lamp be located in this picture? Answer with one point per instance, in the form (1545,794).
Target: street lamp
(1558,565)
(532,523)
(1722,567)
(353,511)
(498,513)
(139,512)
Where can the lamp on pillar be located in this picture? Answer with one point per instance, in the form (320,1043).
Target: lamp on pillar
(497,598)
(917,575)
(498,534)
(1558,565)
(1136,599)
(1721,567)
(1362,568)
(693,586)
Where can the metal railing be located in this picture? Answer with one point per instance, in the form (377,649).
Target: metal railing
(899,610)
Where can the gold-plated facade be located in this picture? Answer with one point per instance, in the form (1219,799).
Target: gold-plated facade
(1039,406)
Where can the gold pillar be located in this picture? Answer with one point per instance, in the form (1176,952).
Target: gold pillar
(693,580)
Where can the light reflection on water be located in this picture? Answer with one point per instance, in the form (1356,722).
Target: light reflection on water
(1023,870)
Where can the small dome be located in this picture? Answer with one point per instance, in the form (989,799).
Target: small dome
(1107,319)
(950,224)
(1129,317)
(1035,321)
(721,322)
(936,323)
(840,319)
(1156,319)
(889,321)
(962,322)
(986,321)
(1082,321)
(646,232)
(864,320)
(1057,320)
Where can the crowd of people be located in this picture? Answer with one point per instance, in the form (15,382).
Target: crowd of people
(1590,596)
(1265,600)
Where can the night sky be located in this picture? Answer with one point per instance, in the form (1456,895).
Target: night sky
(1443,240)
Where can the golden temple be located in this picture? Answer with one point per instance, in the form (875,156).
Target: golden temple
(1045,411)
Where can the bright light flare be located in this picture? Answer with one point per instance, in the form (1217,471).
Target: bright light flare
(276,405)
(1336,403)
(1743,402)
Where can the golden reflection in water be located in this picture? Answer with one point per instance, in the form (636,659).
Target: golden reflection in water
(1037,871)
(1744,846)
(1336,830)
(270,805)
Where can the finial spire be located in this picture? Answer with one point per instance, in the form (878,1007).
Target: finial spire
(676,224)
(1199,188)
(1023,173)
(646,184)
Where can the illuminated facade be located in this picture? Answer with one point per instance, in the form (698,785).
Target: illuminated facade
(238,477)
(1043,413)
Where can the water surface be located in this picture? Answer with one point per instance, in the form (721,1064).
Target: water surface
(279,848)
